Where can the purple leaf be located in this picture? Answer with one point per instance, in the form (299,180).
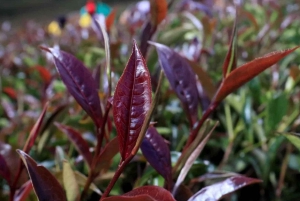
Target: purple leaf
(4,170)
(79,82)
(157,193)
(80,144)
(23,192)
(181,77)
(217,191)
(157,153)
(132,100)
(44,183)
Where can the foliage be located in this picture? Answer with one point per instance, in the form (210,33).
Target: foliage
(77,104)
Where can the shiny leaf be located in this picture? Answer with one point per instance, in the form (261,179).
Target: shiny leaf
(157,153)
(132,100)
(23,192)
(181,77)
(217,191)
(248,71)
(79,82)
(80,144)
(44,183)
(231,57)
(132,198)
(157,193)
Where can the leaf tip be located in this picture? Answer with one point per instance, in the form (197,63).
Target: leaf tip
(45,49)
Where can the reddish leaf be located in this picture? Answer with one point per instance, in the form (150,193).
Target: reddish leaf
(157,193)
(80,144)
(147,32)
(44,183)
(35,131)
(23,192)
(132,198)
(246,72)
(157,153)
(79,82)
(10,92)
(44,73)
(109,21)
(217,191)
(4,169)
(181,77)
(106,155)
(132,100)
(158,9)
(231,57)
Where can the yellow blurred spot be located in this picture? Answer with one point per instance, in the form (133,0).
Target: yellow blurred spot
(85,20)
(53,28)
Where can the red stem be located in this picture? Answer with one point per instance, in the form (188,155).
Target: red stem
(116,176)
(13,186)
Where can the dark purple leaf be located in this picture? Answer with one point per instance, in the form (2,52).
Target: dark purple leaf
(79,82)
(132,198)
(157,193)
(132,100)
(4,169)
(80,144)
(157,153)
(217,191)
(147,32)
(181,77)
(46,187)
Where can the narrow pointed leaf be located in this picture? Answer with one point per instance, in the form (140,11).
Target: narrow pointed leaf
(45,185)
(158,9)
(4,169)
(190,161)
(157,153)
(79,82)
(132,100)
(35,131)
(23,192)
(157,193)
(248,71)
(181,77)
(217,191)
(70,182)
(230,62)
(109,151)
(80,144)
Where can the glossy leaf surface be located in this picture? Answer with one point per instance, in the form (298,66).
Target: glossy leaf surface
(44,183)
(246,72)
(230,62)
(181,77)
(157,153)
(132,198)
(217,191)
(132,100)
(23,192)
(79,82)
(80,144)
(157,193)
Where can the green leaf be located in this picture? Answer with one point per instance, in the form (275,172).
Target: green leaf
(70,182)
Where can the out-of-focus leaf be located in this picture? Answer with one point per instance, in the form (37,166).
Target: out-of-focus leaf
(231,57)
(183,193)
(248,71)
(157,153)
(70,182)
(4,170)
(217,191)
(132,100)
(109,21)
(190,161)
(181,78)
(44,183)
(294,138)
(213,175)
(155,192)
(107,154)
(44,73)
(205,80)
(10,92)
(80,144)
(79,82)
(23,192)
(35,131)
(158,10)
(147,32)
(276,109)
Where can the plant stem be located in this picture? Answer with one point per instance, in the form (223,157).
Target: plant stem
(87,185)
(116,176)
(14,184)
